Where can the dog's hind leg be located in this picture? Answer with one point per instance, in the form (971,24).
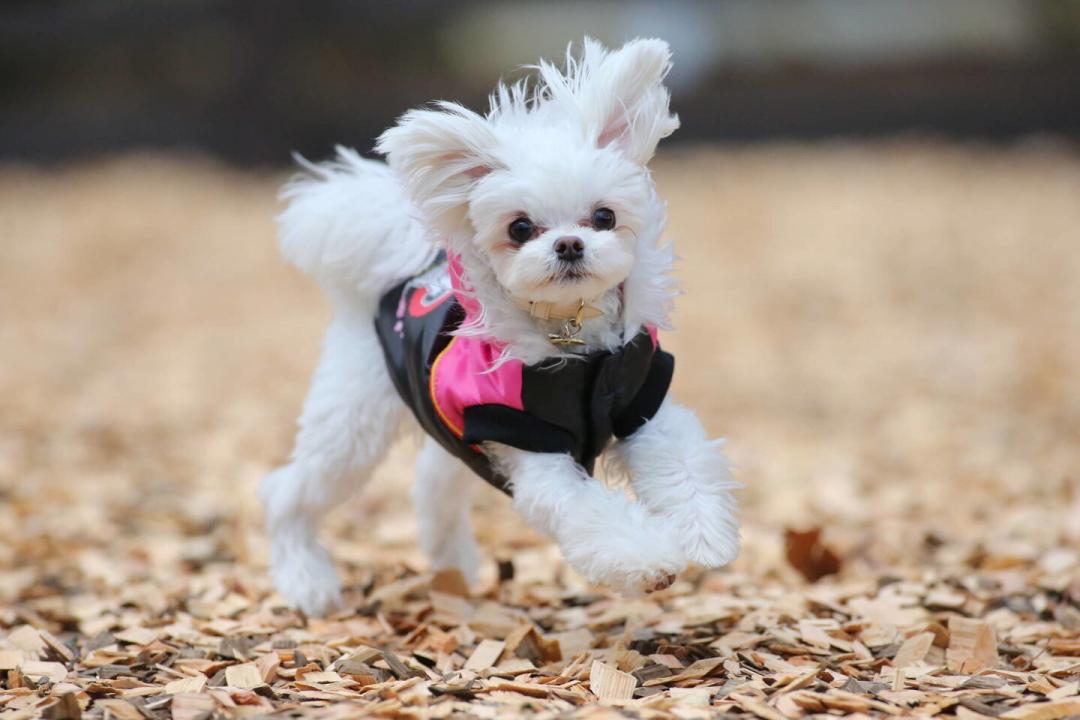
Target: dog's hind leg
(441,498)
(350,417)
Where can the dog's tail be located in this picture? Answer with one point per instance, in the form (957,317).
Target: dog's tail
(350,225)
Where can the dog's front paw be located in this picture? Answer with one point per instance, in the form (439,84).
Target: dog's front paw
(630,566)
(304,575)
(633,582)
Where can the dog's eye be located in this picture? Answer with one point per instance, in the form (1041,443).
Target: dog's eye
(603,218)
(521,230)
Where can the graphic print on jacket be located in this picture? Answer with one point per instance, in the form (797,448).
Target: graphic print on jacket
(563,405)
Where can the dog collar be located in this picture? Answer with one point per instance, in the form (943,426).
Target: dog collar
(572,316)
(550,311)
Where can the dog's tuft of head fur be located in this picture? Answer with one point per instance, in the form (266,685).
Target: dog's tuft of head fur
(565,160)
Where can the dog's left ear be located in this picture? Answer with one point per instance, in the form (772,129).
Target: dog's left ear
(623,98)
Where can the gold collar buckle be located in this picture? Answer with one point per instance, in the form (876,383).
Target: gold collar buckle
(570,329)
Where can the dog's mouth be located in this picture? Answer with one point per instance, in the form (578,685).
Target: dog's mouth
(570,274)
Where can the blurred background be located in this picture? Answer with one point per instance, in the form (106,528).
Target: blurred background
(877,204)
(252,80)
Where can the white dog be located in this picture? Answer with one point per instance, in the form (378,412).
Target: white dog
(531,238)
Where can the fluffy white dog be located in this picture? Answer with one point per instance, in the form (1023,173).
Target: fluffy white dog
(544,217)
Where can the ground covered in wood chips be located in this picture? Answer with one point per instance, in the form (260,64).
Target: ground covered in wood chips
(888,334)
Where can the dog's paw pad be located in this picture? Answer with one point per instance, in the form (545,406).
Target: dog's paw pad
(661,584)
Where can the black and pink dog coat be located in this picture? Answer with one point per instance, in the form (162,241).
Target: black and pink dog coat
(463,398)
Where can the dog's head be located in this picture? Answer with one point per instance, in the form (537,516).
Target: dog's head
(550,189)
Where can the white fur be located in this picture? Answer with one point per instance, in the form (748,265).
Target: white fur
(683,477)
(603,534)
(350,417)
(441,499)
(351,226)
(577,140)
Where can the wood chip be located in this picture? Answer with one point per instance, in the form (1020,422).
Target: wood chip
(814,634)
(319,678)
(245,676)
(530,689)
(513,666)
(913,650)
(756,707)
(878,634)
(66,707)
(1064,646)
(194,684)
(11,659)
(137,635)
(59,649)
(1044,711)
(268,666)
(573,642)
(972,645)
(525,642)
(28,640)
(807,553)
(119,709)
(192,707)
(485,655)
(396,591)
(359,661)
(54,671)
(1065,691)
(400,670)
(691,697)
(608,683)
(699,669)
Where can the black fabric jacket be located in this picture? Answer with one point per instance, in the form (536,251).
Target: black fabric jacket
(570,405)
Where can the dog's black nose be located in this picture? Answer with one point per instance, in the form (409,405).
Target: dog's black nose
(569,248)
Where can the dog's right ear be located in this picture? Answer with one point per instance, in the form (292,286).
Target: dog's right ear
(622,95)
(439,155)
